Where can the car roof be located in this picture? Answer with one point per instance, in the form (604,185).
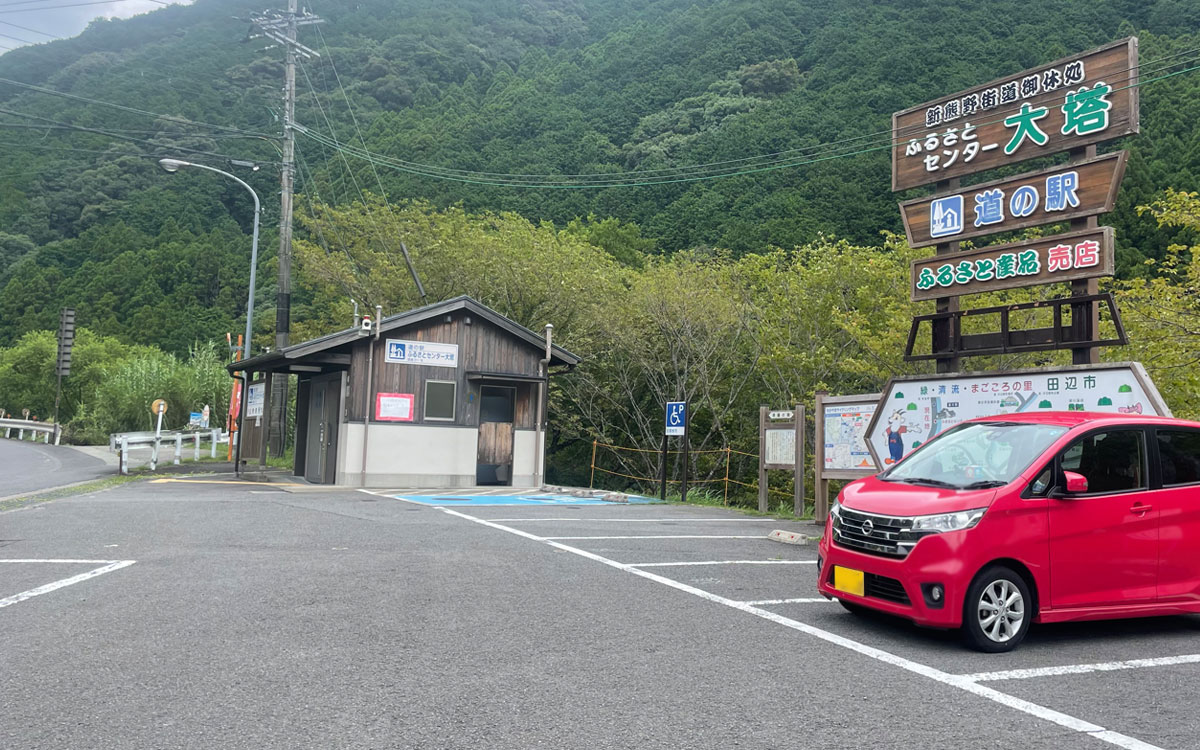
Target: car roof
(1089,418)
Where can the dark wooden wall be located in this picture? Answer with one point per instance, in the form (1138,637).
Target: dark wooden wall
(482,347)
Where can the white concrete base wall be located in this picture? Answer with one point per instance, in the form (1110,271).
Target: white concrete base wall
(408,456)
(525,457)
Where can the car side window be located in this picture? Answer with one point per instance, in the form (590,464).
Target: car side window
(1041,483)
(1112,461)
(1179,454)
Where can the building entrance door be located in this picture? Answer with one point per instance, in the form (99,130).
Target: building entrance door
(495,455)
(321,452)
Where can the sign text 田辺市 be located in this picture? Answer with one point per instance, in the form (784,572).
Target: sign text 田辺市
(1070,103)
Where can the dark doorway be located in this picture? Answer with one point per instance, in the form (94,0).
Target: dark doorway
(495,455)
(320,465)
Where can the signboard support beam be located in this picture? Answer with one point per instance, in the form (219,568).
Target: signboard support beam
(820,483)
(798,480)
(1085,318)
(942,328)
(762,463)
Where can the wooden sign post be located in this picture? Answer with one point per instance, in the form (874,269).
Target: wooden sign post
(1070,105)
(781,439)
(841,450)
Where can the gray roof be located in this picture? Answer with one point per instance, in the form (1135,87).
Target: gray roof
(294,352)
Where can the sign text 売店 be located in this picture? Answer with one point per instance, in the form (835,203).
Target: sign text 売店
(1076,101)
(1064,257)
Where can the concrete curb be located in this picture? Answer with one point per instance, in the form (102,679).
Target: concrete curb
(787,537)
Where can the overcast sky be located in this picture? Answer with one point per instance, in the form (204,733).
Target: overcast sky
(41,20)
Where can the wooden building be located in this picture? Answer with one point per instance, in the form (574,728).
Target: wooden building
(446,395)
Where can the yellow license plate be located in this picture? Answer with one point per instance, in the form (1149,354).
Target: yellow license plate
(848,580)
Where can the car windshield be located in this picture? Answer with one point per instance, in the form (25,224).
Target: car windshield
(975,455)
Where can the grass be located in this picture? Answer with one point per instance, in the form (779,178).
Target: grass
(97,485)
(708,498)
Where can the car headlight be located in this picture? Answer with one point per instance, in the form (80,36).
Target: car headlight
(835,510)
(943,522)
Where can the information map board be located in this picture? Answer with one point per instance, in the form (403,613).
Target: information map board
(915,409)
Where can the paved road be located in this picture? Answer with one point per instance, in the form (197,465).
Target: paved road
(25,467)
(259,618)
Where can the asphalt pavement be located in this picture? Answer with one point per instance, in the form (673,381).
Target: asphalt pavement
(249,616)
(27,466)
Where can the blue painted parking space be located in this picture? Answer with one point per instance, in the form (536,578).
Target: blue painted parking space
(472,500)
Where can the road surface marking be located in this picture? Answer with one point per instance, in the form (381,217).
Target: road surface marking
(584,519)
(111,566)
(720,562)
(958,681)
(1107,666)
(767,602)
(665,536)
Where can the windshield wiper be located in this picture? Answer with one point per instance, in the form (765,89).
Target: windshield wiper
(984,484)
(929,482)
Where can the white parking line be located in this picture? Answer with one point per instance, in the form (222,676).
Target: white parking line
(937,675)
(665,536)
(1107,666)
(584,519)
(108,568)
(715,562)
(768,602)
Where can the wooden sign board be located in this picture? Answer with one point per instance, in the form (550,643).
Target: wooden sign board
(915,409)
(1071,191)
(1064,257)
(1072,102)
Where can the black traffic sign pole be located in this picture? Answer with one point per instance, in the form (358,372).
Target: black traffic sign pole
(662,470)
(683,484)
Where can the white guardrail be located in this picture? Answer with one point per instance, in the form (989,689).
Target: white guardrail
(124,442)
(33,428)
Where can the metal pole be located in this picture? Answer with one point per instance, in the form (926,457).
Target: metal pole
(683,484)
(662,471)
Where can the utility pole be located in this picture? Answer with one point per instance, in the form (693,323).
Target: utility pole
(281,28)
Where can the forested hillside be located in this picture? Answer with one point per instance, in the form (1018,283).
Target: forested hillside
(432,101)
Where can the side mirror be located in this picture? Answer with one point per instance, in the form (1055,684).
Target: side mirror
(1076,483)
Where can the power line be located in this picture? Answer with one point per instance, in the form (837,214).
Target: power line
(26,28)
(124,108)
(634,179)
(52,7)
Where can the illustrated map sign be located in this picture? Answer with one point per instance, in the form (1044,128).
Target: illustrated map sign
(1063,257)
(400,351)
(676,418)
(394,407)
(913,410)
(255,399)
(844,434)
(1072,102)
(781,448)
(1067,192)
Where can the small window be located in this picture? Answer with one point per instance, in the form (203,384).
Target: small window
(1111,461)
(1179,451)
(439,400)
(1041,484)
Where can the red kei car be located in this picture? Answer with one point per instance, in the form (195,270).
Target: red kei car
(1003,521)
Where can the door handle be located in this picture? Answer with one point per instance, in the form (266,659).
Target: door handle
(1139,508)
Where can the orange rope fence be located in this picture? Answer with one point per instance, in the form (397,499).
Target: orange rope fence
(726,480)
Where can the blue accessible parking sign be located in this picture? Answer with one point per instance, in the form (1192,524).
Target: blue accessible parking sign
(676,417)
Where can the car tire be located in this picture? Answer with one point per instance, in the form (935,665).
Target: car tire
(855,609)
(997,611)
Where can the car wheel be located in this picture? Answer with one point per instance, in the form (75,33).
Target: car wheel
(997,611)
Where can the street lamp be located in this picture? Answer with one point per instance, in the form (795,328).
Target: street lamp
(173,165)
